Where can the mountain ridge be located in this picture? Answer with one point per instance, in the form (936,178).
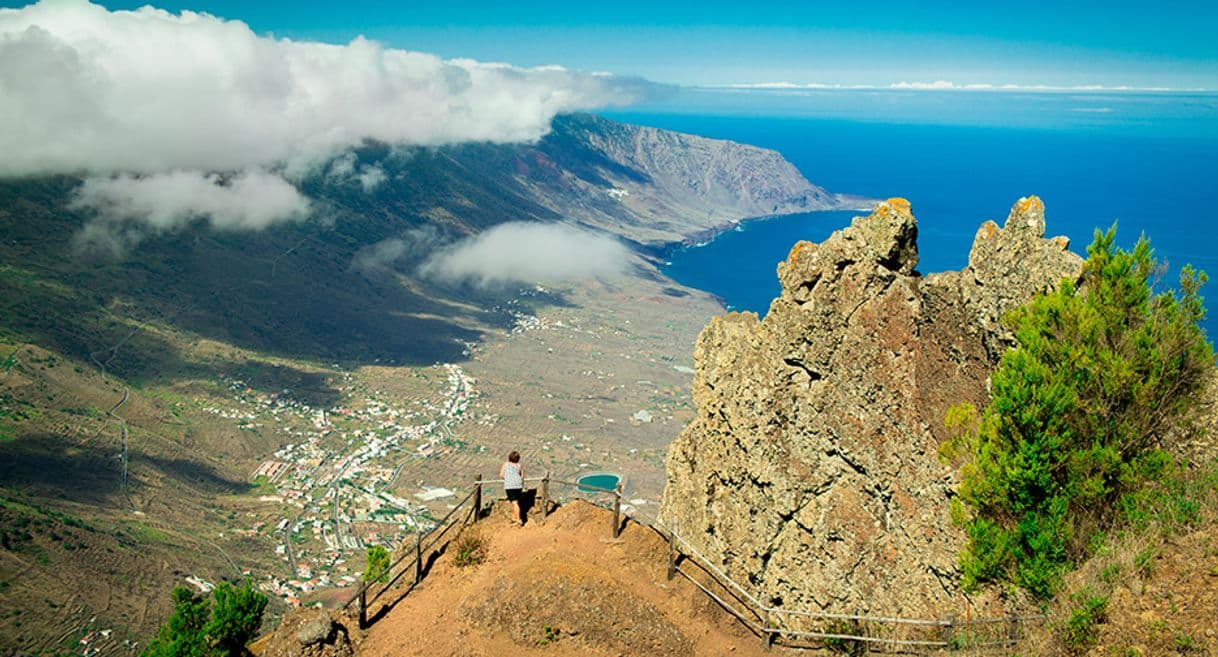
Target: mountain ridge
(208,330)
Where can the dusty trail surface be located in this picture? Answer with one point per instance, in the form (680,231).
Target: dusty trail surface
(560,588)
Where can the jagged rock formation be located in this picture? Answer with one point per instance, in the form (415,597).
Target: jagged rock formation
(811,470)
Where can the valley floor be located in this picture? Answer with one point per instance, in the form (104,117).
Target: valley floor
(286,468)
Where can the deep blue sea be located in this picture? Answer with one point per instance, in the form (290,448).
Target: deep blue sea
(1150,176)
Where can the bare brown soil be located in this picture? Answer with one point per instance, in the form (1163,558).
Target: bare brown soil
(1173,610)
(558,588)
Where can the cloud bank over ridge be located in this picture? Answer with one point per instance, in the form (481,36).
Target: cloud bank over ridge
(155,94)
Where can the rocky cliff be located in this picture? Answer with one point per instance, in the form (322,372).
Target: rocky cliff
(657,186)
(810,472)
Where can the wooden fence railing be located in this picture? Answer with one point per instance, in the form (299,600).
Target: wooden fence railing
(774,625)
(792,628)
(414,560)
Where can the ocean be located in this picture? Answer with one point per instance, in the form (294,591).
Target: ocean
(1119,164)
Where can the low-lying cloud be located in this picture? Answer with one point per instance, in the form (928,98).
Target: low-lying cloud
(411,248)
(251,200)
(127,207)
(521,252)
(85,90)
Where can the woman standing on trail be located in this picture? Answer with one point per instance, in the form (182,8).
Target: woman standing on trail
(512,474)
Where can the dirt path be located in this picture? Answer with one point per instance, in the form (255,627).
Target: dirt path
(558,589)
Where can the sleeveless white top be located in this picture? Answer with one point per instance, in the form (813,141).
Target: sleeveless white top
(511,476)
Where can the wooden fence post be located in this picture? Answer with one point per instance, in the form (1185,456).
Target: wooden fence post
(477,498)
(617,510)
(672,554)
(949,631)
(545,495)
(363,607)
(418,558)
(767,636)
(1013,635)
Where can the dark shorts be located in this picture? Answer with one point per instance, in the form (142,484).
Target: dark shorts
(513,494)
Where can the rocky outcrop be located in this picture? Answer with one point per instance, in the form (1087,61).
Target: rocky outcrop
(1005,268)
(811,470)
(308,633)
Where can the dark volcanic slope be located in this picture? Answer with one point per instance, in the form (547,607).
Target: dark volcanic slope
(291,290)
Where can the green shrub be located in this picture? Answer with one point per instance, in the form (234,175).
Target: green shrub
(1171,499)
(182,634)
(469,548)
(198,628)
(1078,632)
(1100,375)
(236,614)
(1184,642)
(988,553)
(377,569)
(850,647)
(1144,561)
(549,634)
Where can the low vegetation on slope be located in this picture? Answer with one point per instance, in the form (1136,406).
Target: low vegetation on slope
(1076,440)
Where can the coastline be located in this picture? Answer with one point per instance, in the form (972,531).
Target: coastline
(664,250)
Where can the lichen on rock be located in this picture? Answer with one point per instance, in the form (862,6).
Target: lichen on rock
(810,472)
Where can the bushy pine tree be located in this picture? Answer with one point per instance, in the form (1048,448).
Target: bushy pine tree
(198,628)
(182,634)
(236,614)
(377,569)
(1100,376)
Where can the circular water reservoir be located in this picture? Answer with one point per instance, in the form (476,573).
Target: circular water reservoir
(590,483)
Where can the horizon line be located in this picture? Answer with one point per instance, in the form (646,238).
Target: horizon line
(944,85)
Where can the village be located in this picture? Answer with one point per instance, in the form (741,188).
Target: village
(333,477)
(377,463)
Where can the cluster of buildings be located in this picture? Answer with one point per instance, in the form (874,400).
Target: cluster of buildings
(334,479)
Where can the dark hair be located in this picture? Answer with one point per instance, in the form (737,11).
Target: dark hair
(514,457)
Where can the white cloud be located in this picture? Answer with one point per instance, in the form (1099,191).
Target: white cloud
(344,169)
(936,85)
(529,253)
(148,91)
(251,200)
(370,178)
(125,207)
(379,256)
(84,90)
(413,246)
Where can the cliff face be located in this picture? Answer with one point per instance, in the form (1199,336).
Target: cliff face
(811,471)
(656,186)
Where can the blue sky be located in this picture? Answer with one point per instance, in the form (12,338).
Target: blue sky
(716,43)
